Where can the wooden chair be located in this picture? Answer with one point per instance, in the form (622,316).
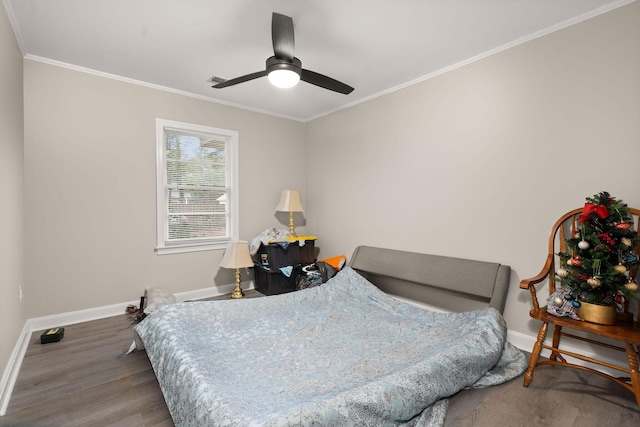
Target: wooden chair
(626,333)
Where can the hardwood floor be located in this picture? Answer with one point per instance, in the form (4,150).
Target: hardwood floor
(87,380)
(556,397)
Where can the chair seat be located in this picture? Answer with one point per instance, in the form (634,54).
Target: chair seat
(627,332)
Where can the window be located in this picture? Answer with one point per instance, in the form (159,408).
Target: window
(197,190)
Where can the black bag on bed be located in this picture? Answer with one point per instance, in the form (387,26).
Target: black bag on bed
(313,274)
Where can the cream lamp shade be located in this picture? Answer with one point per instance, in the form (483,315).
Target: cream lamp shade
(237,256)
(290,202)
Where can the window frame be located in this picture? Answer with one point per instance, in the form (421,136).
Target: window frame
(230,137)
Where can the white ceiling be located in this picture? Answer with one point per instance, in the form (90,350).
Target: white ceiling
(375,46)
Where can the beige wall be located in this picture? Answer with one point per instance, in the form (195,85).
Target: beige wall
(12,310)
(480,161)
(90,187)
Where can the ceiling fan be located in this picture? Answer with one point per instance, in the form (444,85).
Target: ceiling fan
(283,69)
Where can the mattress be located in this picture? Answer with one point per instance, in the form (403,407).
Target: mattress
(344,353)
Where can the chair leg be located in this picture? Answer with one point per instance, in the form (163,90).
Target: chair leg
(556,341)
(632,359)
(535,354)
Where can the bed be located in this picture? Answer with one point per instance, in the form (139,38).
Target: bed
(343,353)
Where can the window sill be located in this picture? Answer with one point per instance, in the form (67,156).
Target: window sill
(179,249)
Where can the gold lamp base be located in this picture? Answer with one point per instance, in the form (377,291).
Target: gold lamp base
(237,292)
(292,228)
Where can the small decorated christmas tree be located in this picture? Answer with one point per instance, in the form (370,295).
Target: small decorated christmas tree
(600,253)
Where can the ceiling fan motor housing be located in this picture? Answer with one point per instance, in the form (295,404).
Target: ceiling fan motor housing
(274,64)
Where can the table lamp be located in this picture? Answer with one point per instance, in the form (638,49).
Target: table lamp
(237,256)
(290,202)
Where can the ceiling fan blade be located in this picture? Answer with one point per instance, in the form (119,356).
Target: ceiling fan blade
(282,36)
(325,82)
(240,79)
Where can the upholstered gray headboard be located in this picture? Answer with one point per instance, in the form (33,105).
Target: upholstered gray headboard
(453,284)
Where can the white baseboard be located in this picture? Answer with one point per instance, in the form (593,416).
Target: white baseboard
(12,369)
(523,341)
(58,320)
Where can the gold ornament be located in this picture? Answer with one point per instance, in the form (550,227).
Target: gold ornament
(631,285)
(626,241)
(620,269)
(594,282)
(562,273)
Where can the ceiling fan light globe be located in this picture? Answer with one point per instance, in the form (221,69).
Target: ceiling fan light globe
(283,78)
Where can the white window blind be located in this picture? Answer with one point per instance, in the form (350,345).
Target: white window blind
(197,195)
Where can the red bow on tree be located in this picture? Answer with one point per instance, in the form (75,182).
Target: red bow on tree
(589,208)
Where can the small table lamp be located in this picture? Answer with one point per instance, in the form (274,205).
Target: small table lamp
(237,256)
(290,202)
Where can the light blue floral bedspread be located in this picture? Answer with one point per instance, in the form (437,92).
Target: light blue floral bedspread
(341,354)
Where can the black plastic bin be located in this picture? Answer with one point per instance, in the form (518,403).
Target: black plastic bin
(274,255)
(273,282)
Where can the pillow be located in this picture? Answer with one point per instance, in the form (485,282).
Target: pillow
(154,298)
(137,343)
